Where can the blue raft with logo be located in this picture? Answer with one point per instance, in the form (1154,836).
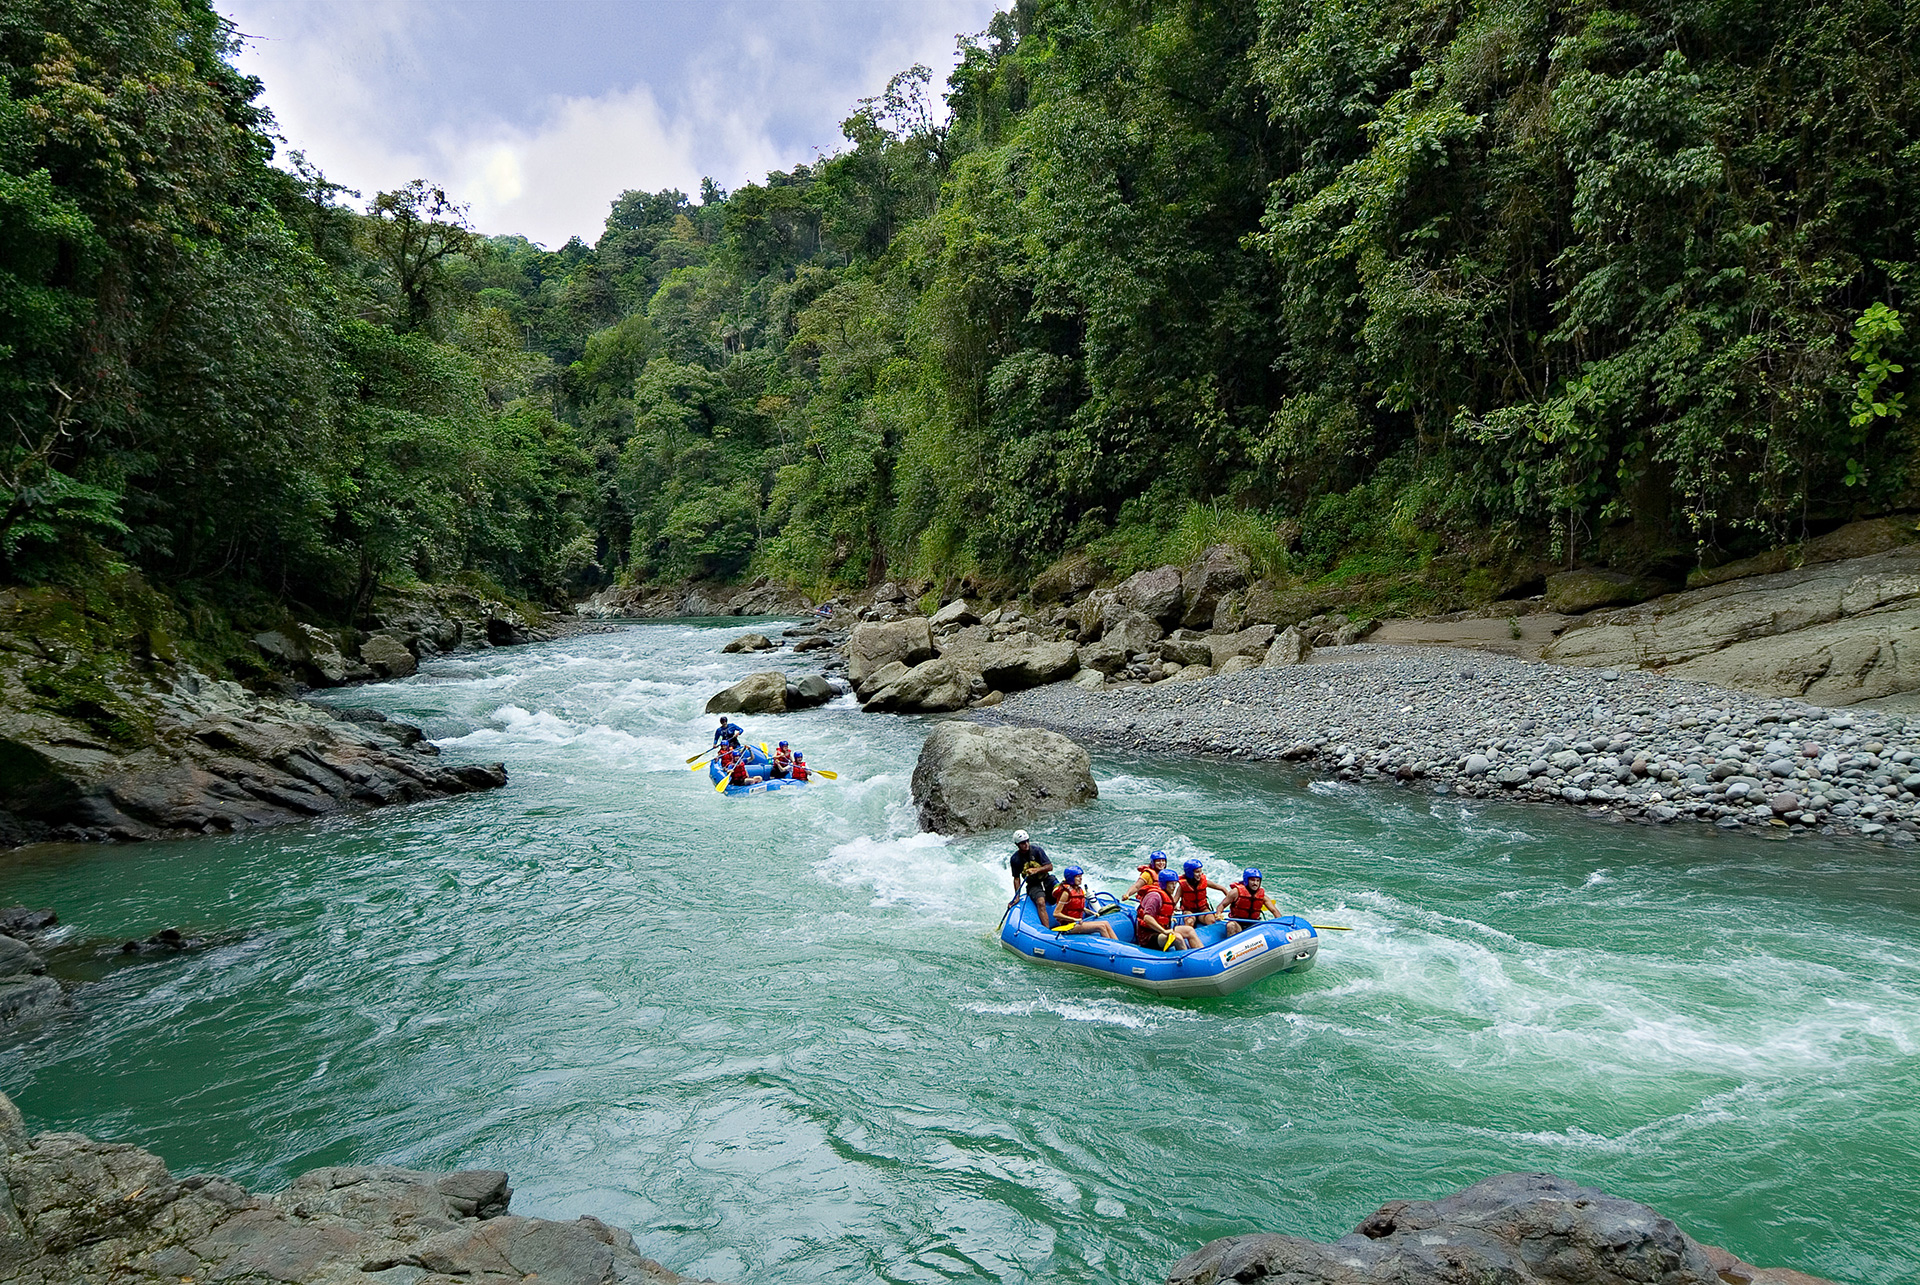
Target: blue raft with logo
(1221,966)
(759,774)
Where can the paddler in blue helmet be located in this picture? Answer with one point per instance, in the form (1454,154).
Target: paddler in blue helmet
(1247,900)
(1153,925)
(1149,876)
(1070,907)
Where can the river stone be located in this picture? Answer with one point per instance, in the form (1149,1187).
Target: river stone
(971,778)
(762,693)
(1065,580)
(1156,594)
(1189,673)
(804,693)
(1209,578)
(18,957)
(1833,634)
(931,687)
(1132,630)
(748,642)
(388,657)
(1516,1228)
(1091,679)
(1011,668)
(1234,664)
(1186,647)
(957,614)
(872,647)
(1104,656)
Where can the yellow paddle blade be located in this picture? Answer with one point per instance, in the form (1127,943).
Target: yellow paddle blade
(703,753)
(721,788)
(821,771)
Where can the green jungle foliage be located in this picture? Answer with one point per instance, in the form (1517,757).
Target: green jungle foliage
(1350,286)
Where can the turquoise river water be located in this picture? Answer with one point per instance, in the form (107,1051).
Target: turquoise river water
(775,1036)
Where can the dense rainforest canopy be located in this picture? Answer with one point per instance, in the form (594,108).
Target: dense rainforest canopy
(1355,285)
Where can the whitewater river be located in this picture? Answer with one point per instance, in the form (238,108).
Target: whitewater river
(775,1037)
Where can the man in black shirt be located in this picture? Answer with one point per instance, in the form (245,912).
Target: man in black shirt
(1033,870)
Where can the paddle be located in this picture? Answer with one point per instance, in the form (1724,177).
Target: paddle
(703,753)
(1325,928)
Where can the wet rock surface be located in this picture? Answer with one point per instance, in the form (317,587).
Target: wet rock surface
(971,778)
(85,1211)
(26,992)
(1625,745)
(1516,1229)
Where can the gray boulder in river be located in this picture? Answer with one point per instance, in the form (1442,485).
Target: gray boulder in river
(1515,1228)
(76,1210)
(875,646)
(761,693)
(972,778)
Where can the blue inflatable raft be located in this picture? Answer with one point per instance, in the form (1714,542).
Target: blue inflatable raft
(759,774)
(1221,966)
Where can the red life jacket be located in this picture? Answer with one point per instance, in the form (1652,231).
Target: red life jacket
(1191,897)
(1152,902)
(1149,878)
(740,773)
(1245,903)
(783,757)
(1072,900)
(799,771)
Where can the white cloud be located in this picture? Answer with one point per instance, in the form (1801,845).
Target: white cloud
(381,93)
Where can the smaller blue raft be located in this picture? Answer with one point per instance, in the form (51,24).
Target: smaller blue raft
(759,774)
(1221,966)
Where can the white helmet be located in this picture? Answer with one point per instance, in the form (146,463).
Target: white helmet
(1021,836)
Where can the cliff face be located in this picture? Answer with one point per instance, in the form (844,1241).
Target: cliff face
(109,731)
(73,1210)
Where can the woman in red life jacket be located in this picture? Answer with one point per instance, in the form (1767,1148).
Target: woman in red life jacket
(1153,922)
(1070,907)
(782,761)
(1247,900)
(799,768)
(737,763)
(1149,876)
(1192,896)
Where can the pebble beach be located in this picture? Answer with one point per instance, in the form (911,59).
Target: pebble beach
(1625,745)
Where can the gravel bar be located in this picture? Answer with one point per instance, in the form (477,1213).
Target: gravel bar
(1618,744)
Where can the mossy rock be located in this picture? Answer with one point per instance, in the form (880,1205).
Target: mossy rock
(1588,589)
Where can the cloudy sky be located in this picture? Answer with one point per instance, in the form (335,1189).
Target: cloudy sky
(538,113)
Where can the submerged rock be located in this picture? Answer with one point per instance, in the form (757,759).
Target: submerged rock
(82,1210)
(971,778)
(1516,1228)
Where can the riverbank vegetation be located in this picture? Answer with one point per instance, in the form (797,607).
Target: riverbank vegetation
(1358,289)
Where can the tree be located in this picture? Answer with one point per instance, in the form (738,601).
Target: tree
(415,230)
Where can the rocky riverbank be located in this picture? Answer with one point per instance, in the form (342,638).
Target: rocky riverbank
(75,1211)
(1621,744)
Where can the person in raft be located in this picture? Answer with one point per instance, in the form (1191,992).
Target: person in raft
(1192,895)
(800,770)
(1149,876)
(733,762)
(1247,900)
(726,732)
(1033,870)
(1070,907)
(1153,925)
(782,761)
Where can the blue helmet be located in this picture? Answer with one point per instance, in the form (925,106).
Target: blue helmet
(783,745)
(1249,874)
(1071,873)
(1156,856)
(1192,864)
(1168,876)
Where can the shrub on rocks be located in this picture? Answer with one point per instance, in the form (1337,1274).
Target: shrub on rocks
(971,778)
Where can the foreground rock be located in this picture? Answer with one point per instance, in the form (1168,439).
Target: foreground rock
(1515,1229)
(972,778)
(85,1211)
(1835,633)
(26,992)
(1625,745)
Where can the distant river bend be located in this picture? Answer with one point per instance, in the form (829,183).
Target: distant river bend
(774,1037)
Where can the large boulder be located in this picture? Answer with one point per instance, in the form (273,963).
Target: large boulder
(931,687)
(1833,634)
(805,693)
(79,1210)
(1187,647)
(1251,642)
(1289,647)
(972,778)
(748,642)
(1156,594)
(762,693)
(1065,581)
(1103,657)
(1516,1229)
(872,647)
(1010,668)
(1212,576)
(1124,627)
(1574,592)
(955,615)
(388,656)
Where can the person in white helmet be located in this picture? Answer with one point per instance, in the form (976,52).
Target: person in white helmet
(1033,870)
